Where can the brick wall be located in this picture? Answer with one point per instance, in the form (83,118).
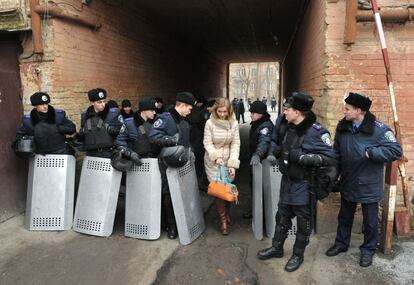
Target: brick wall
(130,56)
(360,68)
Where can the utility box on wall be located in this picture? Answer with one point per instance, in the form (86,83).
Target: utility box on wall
(13,15)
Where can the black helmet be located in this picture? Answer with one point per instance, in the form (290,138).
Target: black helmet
(119,162)
(24,146)
(175,156)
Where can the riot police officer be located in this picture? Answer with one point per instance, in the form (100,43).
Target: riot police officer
(99,125)
(171,129)
(259,137)
(363,144)
(47,125)
(298,142)
(134,133)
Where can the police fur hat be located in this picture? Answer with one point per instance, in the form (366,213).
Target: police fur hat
(96,94)
(358,100)
(147,104)
(39,98)
(299,101)
(258,107)
(126,103)
(185,97)
(201,99)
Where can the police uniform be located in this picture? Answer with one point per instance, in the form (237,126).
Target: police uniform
(48,129)
(99,129)
(293,144)
(362,152)
(170,129)
(260,131)
(134,134)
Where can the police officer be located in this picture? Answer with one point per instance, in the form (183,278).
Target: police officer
(197,119)
(171,129)
(134,133)
(240,110)
(273,103)
(299,143)
(99,125)
(259,137)
(47,125)
(364,144)
(126,110)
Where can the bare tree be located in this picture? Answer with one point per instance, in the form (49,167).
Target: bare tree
(245,77)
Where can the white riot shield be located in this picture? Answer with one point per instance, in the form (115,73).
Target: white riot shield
(50,192)
(186,202)
(97,197)
(257,203)
(143,201)
(271,191)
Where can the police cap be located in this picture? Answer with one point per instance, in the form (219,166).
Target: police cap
(299,101)
(358,100)
(39,98)
(258,107)
(96,94)
(147,104)
(185,97)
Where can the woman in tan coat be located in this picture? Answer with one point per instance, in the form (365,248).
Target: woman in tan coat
(222,144)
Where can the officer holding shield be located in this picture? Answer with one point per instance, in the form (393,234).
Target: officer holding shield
(363,144)
(171,129)
(298,143)
(47,125)
(99,125)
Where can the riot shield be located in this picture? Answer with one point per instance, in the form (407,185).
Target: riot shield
(186,202)
(97,197)
(257,203)
(143,201)
(50,192)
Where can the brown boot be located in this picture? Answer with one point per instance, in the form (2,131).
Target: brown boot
(228,216)
(221,210)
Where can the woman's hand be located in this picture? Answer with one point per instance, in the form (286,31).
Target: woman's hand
(219,161)
(232,172)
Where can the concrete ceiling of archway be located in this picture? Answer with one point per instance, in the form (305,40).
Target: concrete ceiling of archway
(233,31)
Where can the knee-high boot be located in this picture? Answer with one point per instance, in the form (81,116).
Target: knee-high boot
(221,210)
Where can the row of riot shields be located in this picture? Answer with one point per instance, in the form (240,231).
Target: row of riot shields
(50,198)
(265,199)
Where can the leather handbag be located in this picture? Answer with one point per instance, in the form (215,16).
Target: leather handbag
(222,188)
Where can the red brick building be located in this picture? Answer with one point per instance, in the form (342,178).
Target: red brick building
(161,47)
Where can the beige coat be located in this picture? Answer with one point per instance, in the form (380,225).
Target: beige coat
(221,140)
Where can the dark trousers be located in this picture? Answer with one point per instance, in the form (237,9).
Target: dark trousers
(167,210)
(242,117)
(284,216)
(370,222)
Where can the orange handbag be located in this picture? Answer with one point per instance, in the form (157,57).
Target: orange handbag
(222,188)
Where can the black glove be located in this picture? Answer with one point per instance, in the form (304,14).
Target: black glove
(277,152)
(311,160)
(272,159)
(135,158)
(169,141)
(113,131)
(255,160)
(294,155)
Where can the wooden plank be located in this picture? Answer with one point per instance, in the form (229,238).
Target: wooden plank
(350,21)
(36,28)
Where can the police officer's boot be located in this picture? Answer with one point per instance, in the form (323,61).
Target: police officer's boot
(283,224)
(302,240)
(221,210)
(172,232)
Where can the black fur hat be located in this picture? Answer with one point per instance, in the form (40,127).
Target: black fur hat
(39,98)
(258,107)
(359,100)
(185,97)
(96,94)
(299,101)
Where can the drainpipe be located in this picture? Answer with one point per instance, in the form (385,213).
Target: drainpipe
(387,15)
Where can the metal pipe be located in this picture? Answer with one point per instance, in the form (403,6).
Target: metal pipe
(63,14)
(387,15)
(36,28)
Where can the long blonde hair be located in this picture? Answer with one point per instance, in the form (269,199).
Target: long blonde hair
(222,102)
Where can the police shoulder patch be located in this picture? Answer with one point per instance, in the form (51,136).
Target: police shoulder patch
(264,131)
(317,127)
(326,138)
(379,124)
(158,123)
(389,136)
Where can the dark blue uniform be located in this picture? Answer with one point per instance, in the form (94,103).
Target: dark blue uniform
(260,136)
(166,128)
(289,143)
(99,130)
(49,130)
(362,153)
(134,135)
